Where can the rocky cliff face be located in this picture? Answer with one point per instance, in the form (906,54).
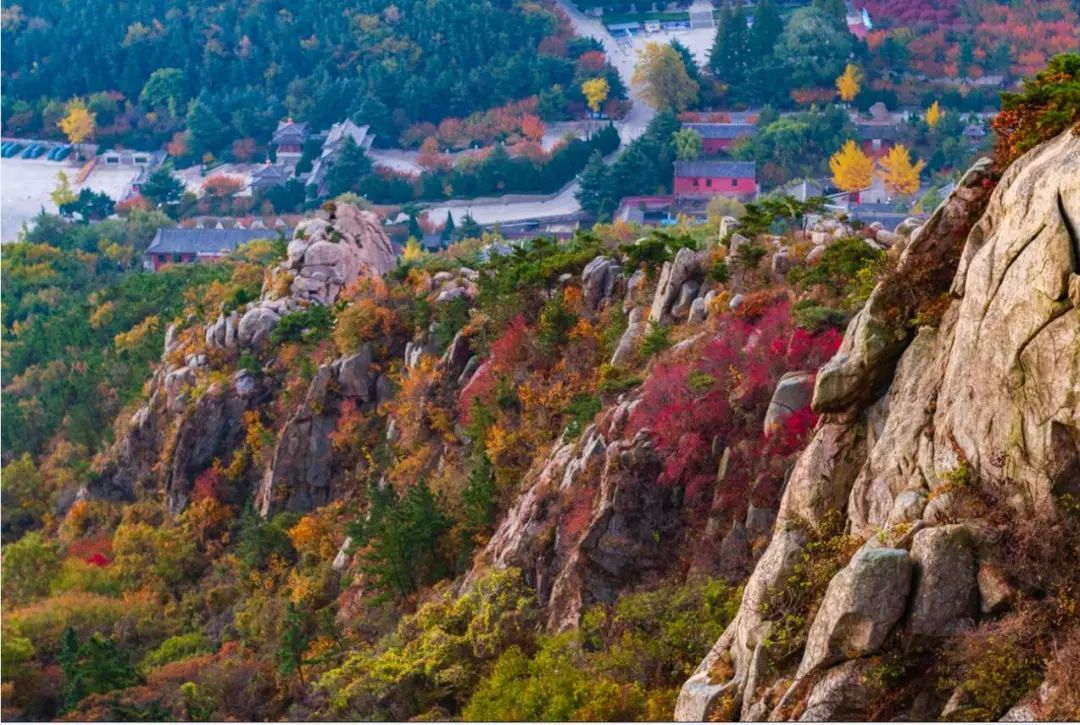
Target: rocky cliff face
(922,416)
(192,419)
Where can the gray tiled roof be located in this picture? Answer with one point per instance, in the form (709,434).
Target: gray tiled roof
(871,131)
(289,132)
(270,175)
(723,131)
(726,169)
(204,241)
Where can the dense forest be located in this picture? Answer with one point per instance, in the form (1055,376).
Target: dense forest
(231,70)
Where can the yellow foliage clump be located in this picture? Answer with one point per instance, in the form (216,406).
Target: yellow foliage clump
(898,173)
(852,169)
(313,536)
(849,83)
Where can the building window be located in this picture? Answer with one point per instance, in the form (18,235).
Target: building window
(876,144)
(696,182)
(734,182)
(177,258)
(708,182)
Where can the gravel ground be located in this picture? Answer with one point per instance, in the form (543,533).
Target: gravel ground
(25,185)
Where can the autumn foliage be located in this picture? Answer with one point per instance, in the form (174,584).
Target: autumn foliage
(722,396)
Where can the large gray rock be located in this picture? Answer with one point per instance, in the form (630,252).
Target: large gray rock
(687,294)
(601,281)
(699,311)
(354,374)
(992,383)
(878,334)
(256,326)
(844,693)
(946,596)
(672,276)
(331,251)
(793,393)
(861,605)
(628,343)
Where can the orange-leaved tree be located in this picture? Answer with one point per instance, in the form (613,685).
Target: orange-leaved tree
(899,174)
(852,169)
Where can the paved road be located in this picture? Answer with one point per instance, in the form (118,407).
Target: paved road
(623,59)
(635,123)
(561,204)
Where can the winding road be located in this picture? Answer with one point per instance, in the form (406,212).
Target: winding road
(563,203)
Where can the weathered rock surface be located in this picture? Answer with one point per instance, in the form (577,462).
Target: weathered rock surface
(946,596)
(328,252)
(673,275)
(863,602)
(793,393)
(601,281)
(300,475)
(591,521)
(993,387)
(628,343)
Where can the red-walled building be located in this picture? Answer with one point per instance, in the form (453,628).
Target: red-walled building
(877,138)
(720,137)
(715,178)
(289,137)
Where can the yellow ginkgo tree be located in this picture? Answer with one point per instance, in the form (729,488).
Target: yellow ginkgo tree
(849,83)
(933,114)
(899,174)
(852,169)
(596,92)
(78,124)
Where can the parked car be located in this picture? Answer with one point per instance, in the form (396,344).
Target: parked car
(12,149)
(61,153)
(39,149)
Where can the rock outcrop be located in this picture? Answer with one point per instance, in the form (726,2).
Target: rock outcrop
(989,396)
(328,252)
(591,521)
(300,475)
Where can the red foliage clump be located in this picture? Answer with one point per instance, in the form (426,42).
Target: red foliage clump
(99,560)
(209,484)
(91,548)
(723,395)
(507,351)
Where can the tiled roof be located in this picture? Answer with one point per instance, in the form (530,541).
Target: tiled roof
(204,241)
(270,174)
(289,132)
(871,131)
(723,169)
(722,131)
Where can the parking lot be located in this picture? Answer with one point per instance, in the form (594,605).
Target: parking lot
(25,185)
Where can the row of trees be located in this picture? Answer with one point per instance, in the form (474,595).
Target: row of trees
(495,173)
(645,166)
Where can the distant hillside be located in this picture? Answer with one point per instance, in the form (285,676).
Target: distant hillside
(230,70)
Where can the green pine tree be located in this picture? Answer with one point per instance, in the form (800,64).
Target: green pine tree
(294,642)
(469,229)
(448,229)
(595,190)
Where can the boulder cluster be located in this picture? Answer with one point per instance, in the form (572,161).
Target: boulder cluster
(328,252)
